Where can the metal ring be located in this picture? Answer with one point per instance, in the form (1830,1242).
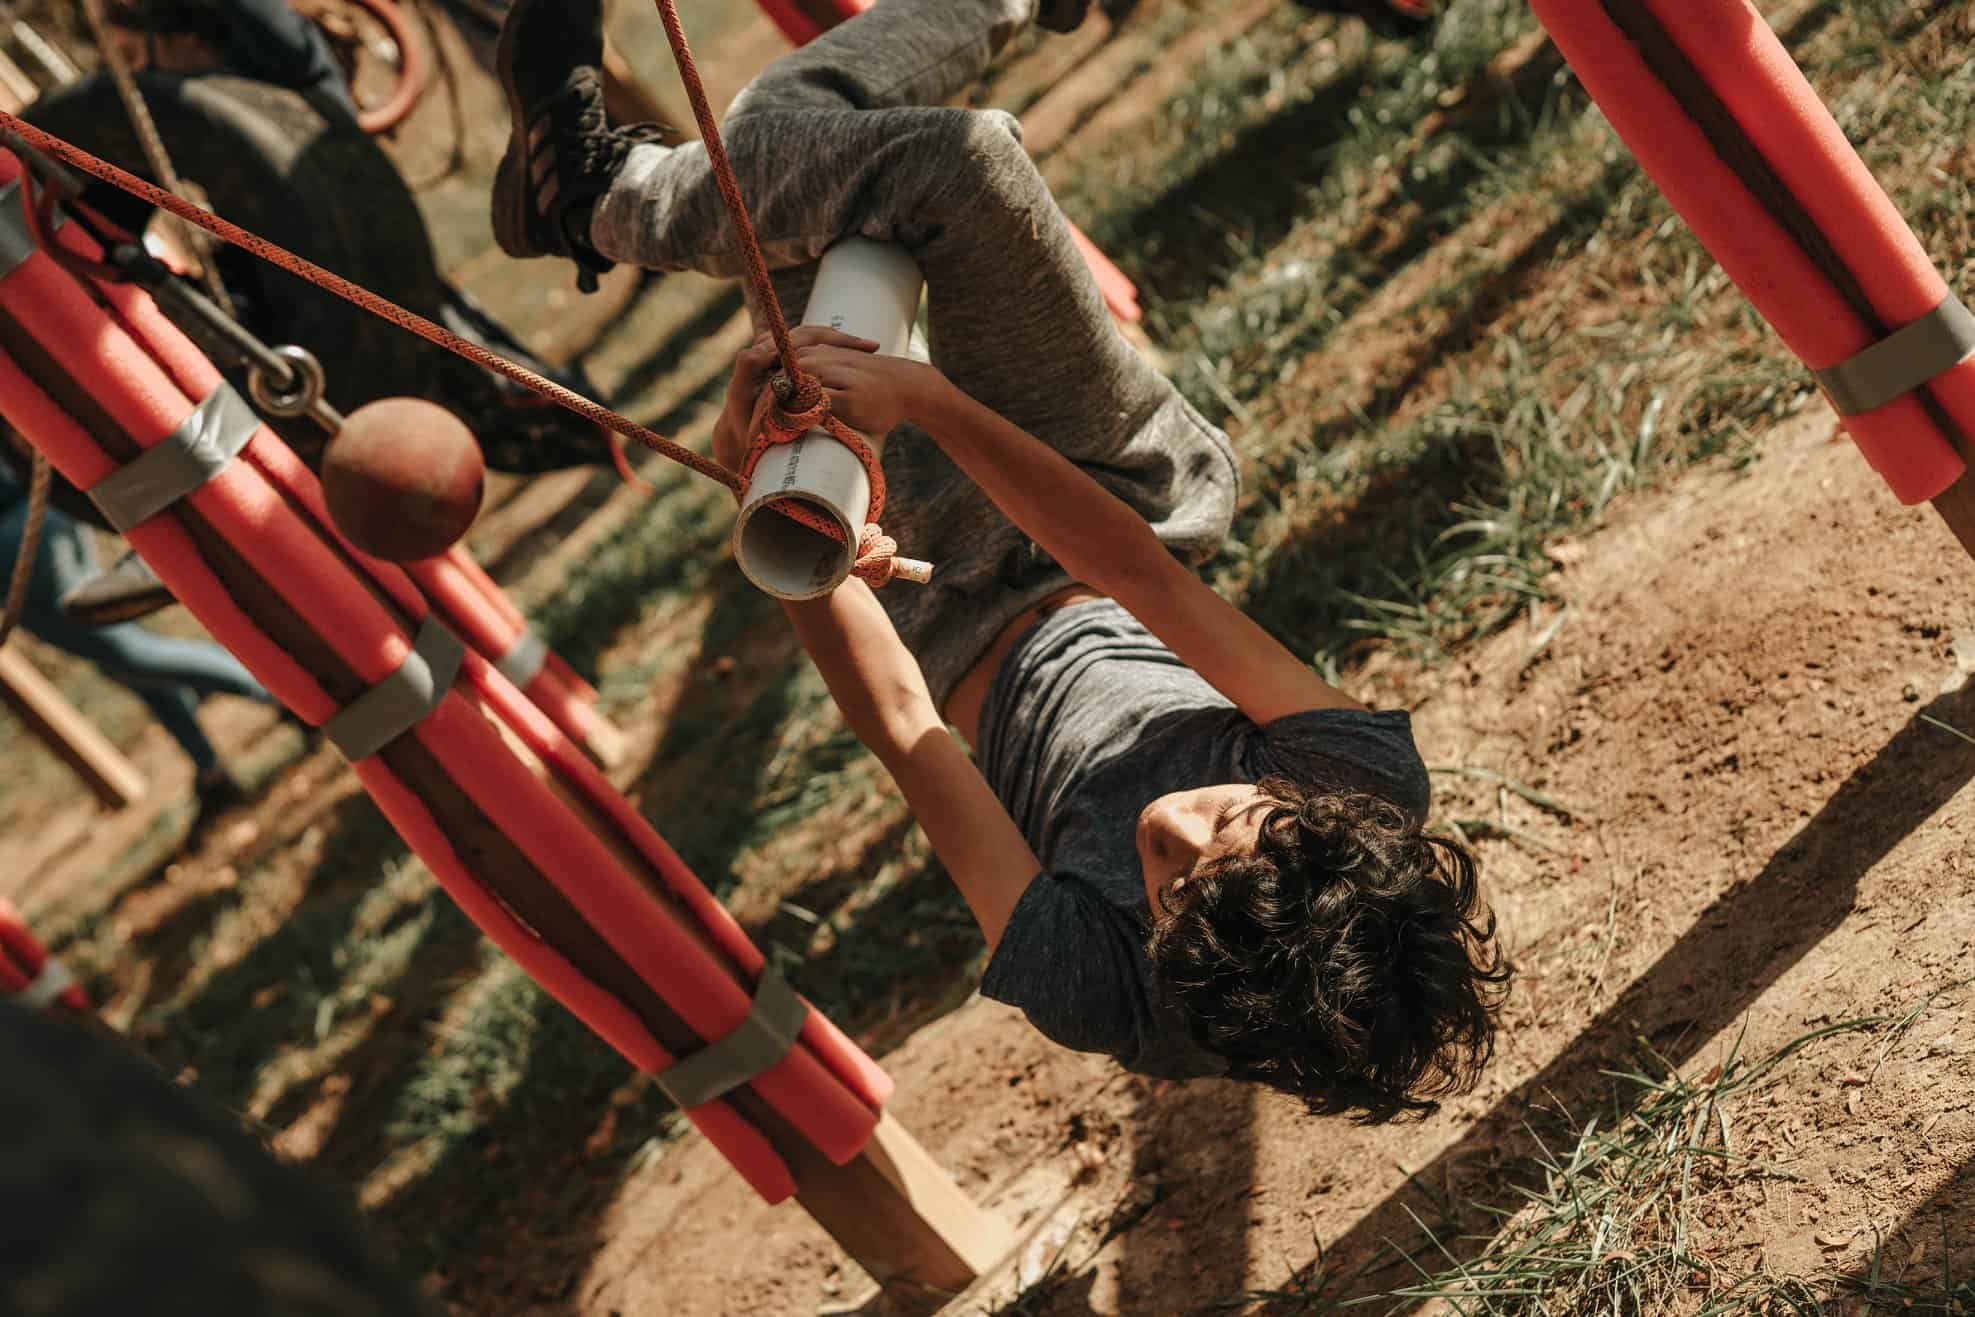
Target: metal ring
(299,393)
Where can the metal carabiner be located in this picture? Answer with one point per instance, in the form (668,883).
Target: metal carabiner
(299,392)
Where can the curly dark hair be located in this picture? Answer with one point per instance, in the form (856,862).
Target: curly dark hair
(1349,961)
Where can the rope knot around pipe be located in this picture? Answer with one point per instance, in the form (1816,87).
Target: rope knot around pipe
(876,553)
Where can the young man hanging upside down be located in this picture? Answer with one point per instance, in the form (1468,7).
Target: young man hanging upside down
(1185,849)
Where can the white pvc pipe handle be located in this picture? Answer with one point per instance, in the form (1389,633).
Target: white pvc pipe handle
(870,289)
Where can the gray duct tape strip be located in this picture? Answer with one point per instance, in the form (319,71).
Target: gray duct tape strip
(1902,361)
(401,701)
(524,659)
(758,1044)
(180,463)
(53,980)
(16,243)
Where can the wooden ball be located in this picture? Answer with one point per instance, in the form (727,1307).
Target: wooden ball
(403,479)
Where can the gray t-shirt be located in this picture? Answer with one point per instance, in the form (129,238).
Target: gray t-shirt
(1089,720)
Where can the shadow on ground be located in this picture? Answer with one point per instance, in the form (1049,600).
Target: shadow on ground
(1764,926)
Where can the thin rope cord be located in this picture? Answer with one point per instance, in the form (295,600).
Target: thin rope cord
(152,143)
(805,405)
(384,308)
(23,573)
(806,389)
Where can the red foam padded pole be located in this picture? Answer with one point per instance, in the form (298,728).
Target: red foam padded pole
(745,1146)
(1900,440)
(144,400)
(163,543)
(1749,71)
(467,598)
(183,569)
(847,1063)
(1120,294)
(240,503)
(802,21)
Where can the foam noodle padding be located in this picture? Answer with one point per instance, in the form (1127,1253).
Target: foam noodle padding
(549,741)
(467,598)
(1812,316)
(1750,72)
(1120,294)
(192,580)
(574,851)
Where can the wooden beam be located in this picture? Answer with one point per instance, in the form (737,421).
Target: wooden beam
(58,725)
(902,1217)
(1956,505)
(17,90)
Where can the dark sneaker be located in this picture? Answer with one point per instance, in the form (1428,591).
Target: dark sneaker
(1061,15)
(129,590)
(1068,15)
(562,152)
(216,791)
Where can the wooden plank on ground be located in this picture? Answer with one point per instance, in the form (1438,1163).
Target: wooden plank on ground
(1957,508)
(57,724)
(903,1218)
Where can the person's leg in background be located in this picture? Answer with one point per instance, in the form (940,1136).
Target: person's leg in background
(169,675)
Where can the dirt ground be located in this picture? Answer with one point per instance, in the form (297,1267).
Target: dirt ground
(1716,763)
(1771,838)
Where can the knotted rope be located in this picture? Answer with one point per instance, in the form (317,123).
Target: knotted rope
(806,406)
(876,560)
(799,403)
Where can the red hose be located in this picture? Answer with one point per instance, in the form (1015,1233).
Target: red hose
(414,69)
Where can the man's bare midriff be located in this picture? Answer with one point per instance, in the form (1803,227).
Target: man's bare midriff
(963,707)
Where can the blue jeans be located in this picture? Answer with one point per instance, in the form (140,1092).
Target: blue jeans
(170,676)
(266,39)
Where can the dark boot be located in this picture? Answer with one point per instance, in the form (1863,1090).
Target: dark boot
(128,590)
(562,152)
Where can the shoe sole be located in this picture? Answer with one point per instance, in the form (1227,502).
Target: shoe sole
(510,202)
(126,609)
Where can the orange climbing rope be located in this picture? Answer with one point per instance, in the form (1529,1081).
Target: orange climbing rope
(382,307)
(799,400)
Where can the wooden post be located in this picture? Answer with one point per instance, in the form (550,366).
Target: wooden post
(57,724)
(1956,504)
(903,1218)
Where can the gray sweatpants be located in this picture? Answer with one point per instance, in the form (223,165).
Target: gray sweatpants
(848,136)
